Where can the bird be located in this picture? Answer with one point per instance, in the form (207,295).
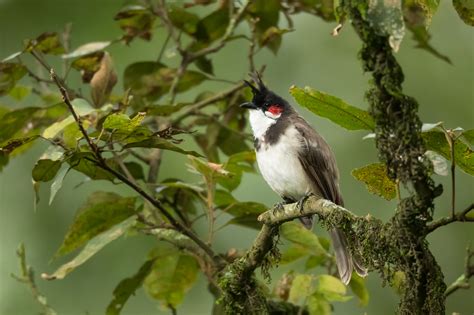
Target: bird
(296,162)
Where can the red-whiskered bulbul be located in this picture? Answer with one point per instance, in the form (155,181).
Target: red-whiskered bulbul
(295,161)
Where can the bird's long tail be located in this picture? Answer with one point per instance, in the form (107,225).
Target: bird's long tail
(344,260)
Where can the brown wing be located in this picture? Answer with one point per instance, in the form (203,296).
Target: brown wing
(318,162)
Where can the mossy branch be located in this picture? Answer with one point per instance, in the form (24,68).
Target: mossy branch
(241,293)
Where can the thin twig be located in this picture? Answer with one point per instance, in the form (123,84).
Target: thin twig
(253,39)
(218,260)
(228,33)
(27,277)
(192,109)
(154,162)
(459,217)
(463,281)
(163,48)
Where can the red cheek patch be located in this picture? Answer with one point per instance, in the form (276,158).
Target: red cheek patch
(275,109)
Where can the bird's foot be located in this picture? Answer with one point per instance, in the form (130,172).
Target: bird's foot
(300,203)
(280,206)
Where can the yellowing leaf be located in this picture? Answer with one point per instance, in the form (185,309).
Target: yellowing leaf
(301,288)
(47,43)
(465,9)
(333,108)
(103,81)
(172,275)
(332,288)
(92,247)
(101,211)
(10,73)
(463,154)
(374,176)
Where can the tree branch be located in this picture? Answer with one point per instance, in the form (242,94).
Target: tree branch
(459,217)
(463,281)
(217,259)
(192,109)
(27,277)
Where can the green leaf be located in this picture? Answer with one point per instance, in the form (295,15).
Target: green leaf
(159,143)
(81,107)
(333,108)
(245,208)
(272,38)
(297,234)
(249,221)
(421,36)
(301,288)
(45,170)
(359,288)
(127,287)
(87,49)
(57,183)
(387,18)
(318,305)
(332,288)
(465,10)
(10,73)
(183,19)
(88,65)
(374,176)
(164,110)
(292,254)
(172,275)
(205,65)
(267,12)
(47,43)
(468,136)
(463,154)
(92,247)
(19,92)
(315,261)
(101,211)
(212,27)
(152,80)
(135,21)
(122,122)
(84,162)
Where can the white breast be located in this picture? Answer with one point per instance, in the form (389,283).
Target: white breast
(280,166)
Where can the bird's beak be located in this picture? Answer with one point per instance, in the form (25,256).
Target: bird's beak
(248,105)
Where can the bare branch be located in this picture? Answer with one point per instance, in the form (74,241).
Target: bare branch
(193,109)
(459,217)
(27,277)
(228,33)
(218,260)
(463,281)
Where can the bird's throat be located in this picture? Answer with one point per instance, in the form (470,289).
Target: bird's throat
(260,123)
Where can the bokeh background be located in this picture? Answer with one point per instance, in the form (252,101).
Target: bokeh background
(308,56)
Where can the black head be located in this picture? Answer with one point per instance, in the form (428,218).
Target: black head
(264,99)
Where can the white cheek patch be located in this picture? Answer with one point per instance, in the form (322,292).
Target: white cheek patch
(271,115)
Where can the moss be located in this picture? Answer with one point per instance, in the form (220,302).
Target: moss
(398,245)
(241,295)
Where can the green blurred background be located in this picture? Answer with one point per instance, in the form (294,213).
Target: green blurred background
(308,56)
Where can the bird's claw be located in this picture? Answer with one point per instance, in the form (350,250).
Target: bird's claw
(300,203)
